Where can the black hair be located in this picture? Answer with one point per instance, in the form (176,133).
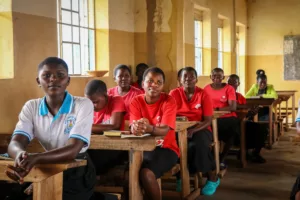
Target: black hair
(141,65)
(95,86)
(261,76)
(53,60)
(190,69)
(234,76)
(260,71)
(121,67)
(179,73)
(155,70)
(217,70)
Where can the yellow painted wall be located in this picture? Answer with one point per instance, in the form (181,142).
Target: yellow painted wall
(268,22)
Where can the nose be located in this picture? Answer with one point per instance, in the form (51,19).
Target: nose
(53,78)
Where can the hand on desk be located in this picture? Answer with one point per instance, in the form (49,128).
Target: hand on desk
(139,127)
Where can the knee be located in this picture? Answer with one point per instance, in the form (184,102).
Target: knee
(146,175)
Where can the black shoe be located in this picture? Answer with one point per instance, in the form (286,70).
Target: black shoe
(257,158)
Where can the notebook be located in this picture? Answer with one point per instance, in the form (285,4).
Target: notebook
(5,156)
(135,136)
(115,133)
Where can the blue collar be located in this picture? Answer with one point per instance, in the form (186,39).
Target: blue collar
(66,107)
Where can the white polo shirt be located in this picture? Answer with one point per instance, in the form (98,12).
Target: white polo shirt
(73,120)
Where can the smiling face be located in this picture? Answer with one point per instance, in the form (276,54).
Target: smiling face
(188,79)
(217,77)
(234,82)
(153,84)
(53,79)
(262,83)
(123,78)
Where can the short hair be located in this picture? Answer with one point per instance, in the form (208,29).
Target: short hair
(155,70)
(95,86)
(121,67)
(260,71)
(179,73)
(234,76)
(53,60)
(217,70)
(261,76)
(141,65)
(190,69)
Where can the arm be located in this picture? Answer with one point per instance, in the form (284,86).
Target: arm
(252,92)
(116,122)
(203,124)
(143,125)
(232,106)
(298,127)
(271,93)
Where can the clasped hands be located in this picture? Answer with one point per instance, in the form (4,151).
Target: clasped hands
(24,162)
(139,127)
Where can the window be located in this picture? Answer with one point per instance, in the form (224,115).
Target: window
(220,48)
(76,34)
(237,49)
(198,32)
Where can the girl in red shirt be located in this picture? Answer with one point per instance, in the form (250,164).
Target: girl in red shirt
(154,113)
(195,104)
(223,98)
(122,76)
(139,71)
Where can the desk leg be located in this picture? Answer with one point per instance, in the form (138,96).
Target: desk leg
(270,125)
(255,118)
(49,189)
(184,172)
(243,143)
(287,116)
(135,162)
(293,111)
(216,146)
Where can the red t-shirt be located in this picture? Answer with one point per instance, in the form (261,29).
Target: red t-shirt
(114,104)
(200,105)
(161,112)
(240,99)
(221,97)
(126,98)
(135,84)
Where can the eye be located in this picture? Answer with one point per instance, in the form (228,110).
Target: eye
(60,75)
(46,75)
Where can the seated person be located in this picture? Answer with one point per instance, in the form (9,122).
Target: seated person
(154,113)
(62,123)
(139,71)
(179,78)
(223,99)
(295,194)
(256,133)
(122,76)
(109,112)
(264,90)
(195,104)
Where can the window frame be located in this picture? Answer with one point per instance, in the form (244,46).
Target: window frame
(198,17)
(220,44)
(60,23)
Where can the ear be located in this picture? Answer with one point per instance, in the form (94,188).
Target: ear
(210,77)
(69,79)
(143,84)
(38,81)
(223,77)
(239,84)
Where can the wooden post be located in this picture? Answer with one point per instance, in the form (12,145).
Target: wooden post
(287,115)
(216,142)
(135,162)
(293,111)
(243,143)
(49,189)
(184,172)
(270,125)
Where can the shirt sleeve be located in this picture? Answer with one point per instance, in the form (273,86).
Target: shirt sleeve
(298,114)
(82,128)
(231,93)
(241,99)
(110,91)
(169,113)
(135,110)
(252,92)
(271,93)
(118,105)
(207,105)
(25,123)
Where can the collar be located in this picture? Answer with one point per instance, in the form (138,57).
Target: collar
(66,107)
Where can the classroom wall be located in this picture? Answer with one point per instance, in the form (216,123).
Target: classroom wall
(268,22)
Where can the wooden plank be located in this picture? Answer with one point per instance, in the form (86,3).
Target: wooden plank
(135,162)
(243,143)
(218,114)
(184,171)
(108,189)
(49,189)
(216,141)
(194,195)
(261,101)
(116,143)
(184,125)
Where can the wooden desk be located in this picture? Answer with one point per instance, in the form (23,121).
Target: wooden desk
(216,115)
(47,178)
(135,146)
(181,128)
(241,113)
(285,95)
(266,102)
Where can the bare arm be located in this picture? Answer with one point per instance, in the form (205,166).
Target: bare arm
(116,122)
(17,144)
(232,106)
(204,124)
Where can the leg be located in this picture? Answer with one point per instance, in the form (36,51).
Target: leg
(150,184)
(243,144)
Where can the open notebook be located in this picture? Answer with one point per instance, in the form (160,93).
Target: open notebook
(123,134)
(5,156)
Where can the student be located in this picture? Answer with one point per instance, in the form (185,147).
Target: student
(255,133)
(139,71)
(295,194)
(195,104)
(122,76)
(179,77)
(155,113)
(67,138)
(224,99)
(109,112)
(264,90)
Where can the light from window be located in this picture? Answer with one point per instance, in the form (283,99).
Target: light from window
(237,54)
(198,47)
(220,48)
(76,34)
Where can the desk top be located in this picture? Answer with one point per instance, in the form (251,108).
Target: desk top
(184,125)
(219,113)
(260,101)
(286,91)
